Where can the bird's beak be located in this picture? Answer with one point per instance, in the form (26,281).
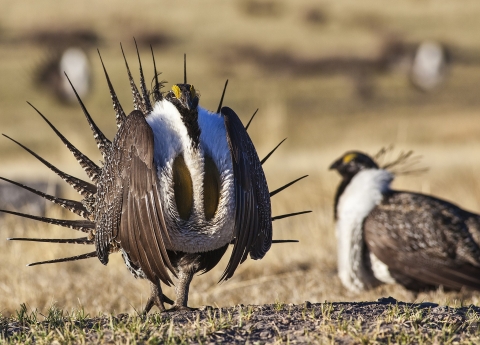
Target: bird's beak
(337,164)
(190,103)
(186,100)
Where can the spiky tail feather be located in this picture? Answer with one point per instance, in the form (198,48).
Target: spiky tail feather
(271,152)
(80,240)
(250,121)
(278,190)
(145,98)
(71,258)
(117,107)
(221,98)
(289,215)
(93,171)
(84,188)
(81,225)
(137,99)
(71,205)
(103,144)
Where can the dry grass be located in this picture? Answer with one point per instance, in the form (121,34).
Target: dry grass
(322,116)
(325,323)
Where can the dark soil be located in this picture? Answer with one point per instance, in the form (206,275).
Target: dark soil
(385,321)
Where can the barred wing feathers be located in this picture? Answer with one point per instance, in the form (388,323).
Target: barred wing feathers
(129,210)
(425,238)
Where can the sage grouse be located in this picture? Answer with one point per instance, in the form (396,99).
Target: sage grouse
(75,63)
(389,236)
(179,184)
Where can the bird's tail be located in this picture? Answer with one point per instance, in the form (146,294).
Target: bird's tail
(88,190)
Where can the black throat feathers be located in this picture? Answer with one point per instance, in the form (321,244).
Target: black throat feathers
(190,120)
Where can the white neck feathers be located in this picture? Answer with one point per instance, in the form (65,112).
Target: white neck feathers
(361,195)
(171,136)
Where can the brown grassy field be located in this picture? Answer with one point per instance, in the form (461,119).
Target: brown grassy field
(321,114)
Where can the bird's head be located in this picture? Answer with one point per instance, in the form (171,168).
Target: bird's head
(184,96)
(352,162)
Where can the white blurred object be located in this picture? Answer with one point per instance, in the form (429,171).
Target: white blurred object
(74,62)
(429,66)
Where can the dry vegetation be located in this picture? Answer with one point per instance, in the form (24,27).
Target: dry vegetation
(322,116)
(385,321)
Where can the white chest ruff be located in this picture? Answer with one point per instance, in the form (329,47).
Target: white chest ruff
(171,139)
(362,194)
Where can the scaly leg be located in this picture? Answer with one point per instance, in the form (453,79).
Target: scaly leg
(181,290)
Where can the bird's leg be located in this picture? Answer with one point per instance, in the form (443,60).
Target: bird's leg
(156,298)
(181,289)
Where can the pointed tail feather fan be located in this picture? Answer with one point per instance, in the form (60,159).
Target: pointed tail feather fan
(86,208)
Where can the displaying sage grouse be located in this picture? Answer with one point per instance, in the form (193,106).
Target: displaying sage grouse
(389,236)
(179,184)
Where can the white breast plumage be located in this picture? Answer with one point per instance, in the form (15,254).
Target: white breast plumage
(196,234)
(362,194)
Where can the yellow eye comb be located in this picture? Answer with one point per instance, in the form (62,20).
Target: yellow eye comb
(348,158)
(176,91)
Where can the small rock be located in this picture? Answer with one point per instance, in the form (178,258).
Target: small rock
(265,334)
(387,300)
(440,309)
(123,316)
(428,305)
(308,304)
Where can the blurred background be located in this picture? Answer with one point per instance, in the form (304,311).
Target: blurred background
(330,76)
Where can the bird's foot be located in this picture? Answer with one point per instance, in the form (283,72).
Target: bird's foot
(158,301)
(181,308)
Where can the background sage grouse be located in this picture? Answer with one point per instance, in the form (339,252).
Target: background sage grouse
(178,185)
(388,236)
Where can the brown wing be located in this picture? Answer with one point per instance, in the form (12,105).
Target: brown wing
(253,225)
(425,239)
(129,209)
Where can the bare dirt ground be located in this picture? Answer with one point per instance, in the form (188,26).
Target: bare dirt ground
(385,321)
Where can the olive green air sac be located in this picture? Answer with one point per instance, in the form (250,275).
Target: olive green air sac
(183,187)
(211,188)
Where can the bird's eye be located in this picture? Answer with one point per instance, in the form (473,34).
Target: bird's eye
(176,91)
(193,93)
